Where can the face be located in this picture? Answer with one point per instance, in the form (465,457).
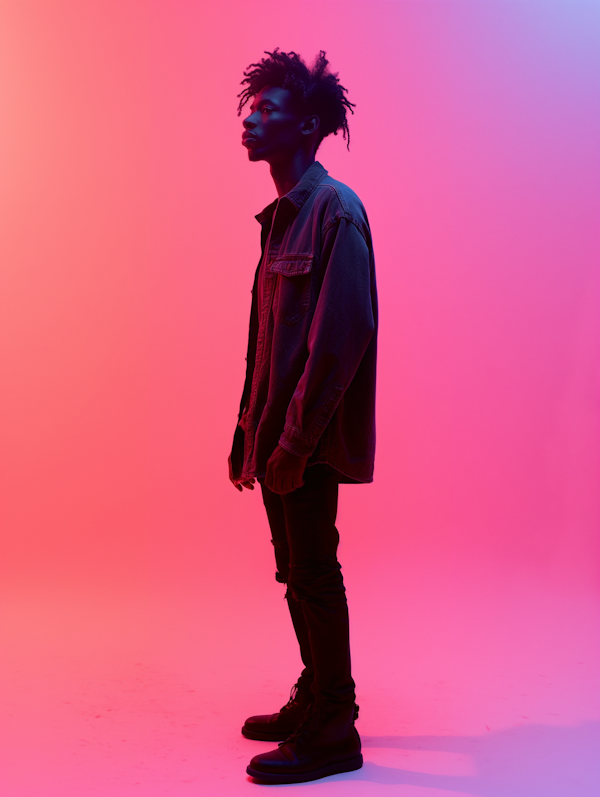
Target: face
(274,131)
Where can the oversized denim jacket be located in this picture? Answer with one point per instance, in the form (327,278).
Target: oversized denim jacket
(312,344)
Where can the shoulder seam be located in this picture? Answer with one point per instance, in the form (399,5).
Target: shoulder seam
(348,217)
(345,213)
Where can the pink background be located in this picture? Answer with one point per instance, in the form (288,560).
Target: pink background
(127,248)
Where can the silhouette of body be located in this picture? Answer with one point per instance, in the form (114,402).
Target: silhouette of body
(307,414)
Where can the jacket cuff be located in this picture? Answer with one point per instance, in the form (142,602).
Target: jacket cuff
(295,443)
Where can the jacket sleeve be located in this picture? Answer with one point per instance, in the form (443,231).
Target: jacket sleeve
(341,328)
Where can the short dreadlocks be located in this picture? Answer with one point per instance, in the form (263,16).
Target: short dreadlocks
(316,90)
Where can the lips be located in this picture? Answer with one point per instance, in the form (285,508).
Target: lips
(248,139)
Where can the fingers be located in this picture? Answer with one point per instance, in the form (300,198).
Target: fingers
(284,485)
(284,472)
(274,480)
(249,485)
(280,482)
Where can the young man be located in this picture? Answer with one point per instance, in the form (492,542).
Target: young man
(307,414)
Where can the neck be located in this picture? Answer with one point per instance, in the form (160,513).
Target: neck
(287,174)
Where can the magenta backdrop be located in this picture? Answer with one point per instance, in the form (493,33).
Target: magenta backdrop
(128,247)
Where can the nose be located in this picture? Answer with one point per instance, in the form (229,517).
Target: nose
(248,123)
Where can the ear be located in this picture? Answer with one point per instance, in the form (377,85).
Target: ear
(310,124)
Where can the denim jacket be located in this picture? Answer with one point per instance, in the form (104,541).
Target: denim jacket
(312,344)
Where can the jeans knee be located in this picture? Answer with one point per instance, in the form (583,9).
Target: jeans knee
(282,560)
(317,584)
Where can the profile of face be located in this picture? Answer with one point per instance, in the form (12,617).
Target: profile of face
(275,129)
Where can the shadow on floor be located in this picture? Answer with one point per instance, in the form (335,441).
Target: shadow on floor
(529,761)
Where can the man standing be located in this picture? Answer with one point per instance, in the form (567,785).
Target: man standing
(307,414)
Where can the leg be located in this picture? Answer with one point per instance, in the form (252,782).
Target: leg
(279,726)
(315,581)
(326,741)
(276,516)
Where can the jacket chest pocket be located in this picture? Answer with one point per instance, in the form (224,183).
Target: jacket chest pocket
(292,292)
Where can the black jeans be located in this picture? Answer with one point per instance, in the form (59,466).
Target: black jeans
(305,539)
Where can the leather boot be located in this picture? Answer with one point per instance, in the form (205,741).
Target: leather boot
(277,727)
(325,743)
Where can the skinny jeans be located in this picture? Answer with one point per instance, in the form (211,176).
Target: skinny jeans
(305,540)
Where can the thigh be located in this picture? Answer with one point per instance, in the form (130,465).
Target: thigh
(310,512)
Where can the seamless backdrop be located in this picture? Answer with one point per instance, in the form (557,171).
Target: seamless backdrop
(127,249)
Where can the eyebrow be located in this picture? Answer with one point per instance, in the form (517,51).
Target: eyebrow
(263,101)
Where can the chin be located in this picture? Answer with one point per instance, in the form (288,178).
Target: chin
(254,156)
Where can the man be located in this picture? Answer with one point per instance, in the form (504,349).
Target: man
(307,414)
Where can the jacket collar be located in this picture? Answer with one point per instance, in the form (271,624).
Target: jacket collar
(299,193)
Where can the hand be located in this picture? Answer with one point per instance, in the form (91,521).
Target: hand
(249,485)
(284,471)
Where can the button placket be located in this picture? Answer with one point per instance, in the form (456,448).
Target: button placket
(268,281)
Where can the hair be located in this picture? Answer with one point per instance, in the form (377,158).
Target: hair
(315,90)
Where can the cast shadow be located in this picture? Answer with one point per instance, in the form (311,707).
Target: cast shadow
(527,761)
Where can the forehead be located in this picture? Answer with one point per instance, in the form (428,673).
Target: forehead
(280,97)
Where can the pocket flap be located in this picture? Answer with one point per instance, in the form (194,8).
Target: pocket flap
(292,265)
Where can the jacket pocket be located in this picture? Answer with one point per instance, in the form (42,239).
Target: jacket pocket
(292,292)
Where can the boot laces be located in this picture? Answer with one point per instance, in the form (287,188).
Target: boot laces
(293,693)
(309,725)
(306,728)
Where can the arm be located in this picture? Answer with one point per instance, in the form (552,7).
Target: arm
(340,332)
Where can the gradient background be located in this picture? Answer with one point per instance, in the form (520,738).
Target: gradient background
(141,622)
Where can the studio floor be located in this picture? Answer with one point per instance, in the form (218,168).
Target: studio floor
(467,685)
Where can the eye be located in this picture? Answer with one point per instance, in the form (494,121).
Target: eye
(266,109)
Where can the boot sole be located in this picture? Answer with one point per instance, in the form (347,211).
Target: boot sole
(265,737)
(335,768)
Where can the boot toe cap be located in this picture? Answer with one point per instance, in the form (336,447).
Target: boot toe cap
(259,719)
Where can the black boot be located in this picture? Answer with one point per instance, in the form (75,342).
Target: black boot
(277,727)
(325,743)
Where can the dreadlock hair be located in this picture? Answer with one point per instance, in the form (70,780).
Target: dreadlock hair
(315,90)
